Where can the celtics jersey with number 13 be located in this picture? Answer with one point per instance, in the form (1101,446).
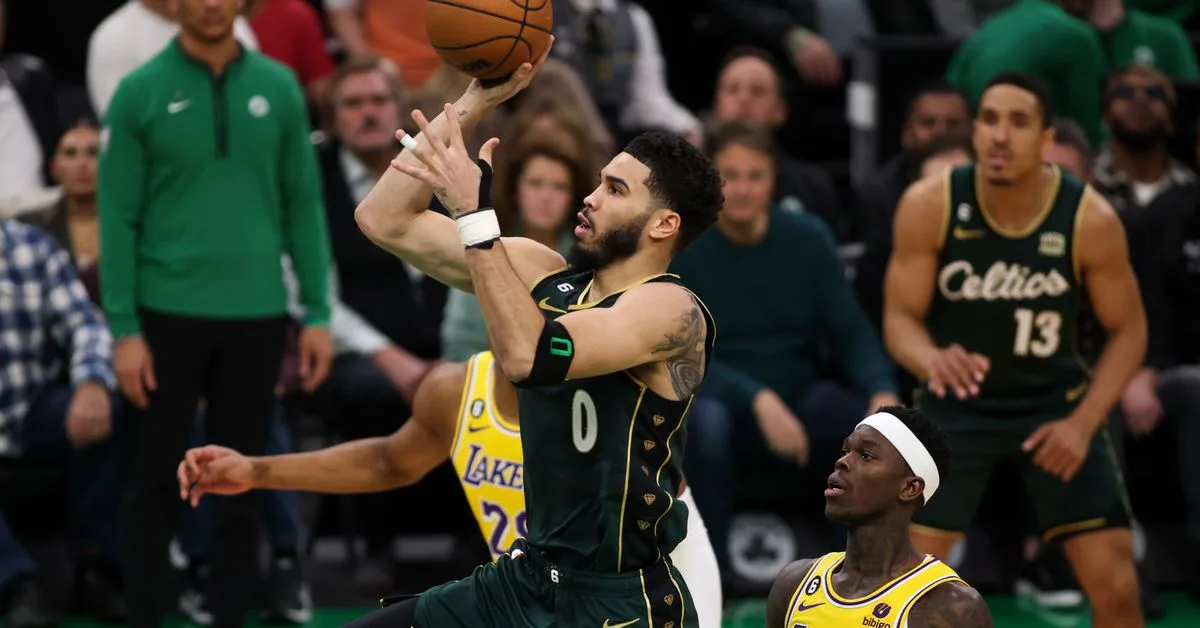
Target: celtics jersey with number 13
(1013,297)
(603,455)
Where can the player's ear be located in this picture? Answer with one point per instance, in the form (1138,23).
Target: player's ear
(664,223)
(912,489)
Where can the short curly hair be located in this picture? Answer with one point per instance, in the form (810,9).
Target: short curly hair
(681,178)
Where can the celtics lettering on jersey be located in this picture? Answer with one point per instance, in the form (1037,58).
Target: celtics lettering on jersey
(603,455)
(1013,297)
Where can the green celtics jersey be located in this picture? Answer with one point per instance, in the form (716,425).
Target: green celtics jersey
(603,455)
(1014,298)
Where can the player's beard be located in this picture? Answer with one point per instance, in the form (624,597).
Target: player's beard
(614,245)
(1139,142)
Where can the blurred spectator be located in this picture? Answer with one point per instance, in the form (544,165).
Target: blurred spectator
(74,224)
(1167,259)
(392,29)
(766,371)
(1135,166)
(131,36)
(539,184)
(1071,150)
(946,152)
(750,89)
(1181,11)
(72,221)
(559,85)
(613,45)
(934,111)
(784,26)
(960,18)
(58,405)
(29,127)
(199,200)
(290,32)
(1130,37)
(1048,40)
(387,334)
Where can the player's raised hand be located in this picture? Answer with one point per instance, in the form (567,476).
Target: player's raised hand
(449,170)
(493,93)
(216,470)
(1060,446)
(954,369)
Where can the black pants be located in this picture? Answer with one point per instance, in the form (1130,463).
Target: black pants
(233,365)
(368,405)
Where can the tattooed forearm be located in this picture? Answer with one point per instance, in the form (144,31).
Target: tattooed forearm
(953,605)
(686,367)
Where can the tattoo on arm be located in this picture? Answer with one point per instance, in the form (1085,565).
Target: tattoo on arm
(953,605)
(686,342)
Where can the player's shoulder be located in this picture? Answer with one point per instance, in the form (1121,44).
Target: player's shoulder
(444,383)
(953,603)
(1096,216)
(786,584)
(925,205)
(663,293)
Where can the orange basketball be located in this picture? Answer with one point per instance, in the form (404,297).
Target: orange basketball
(488,39)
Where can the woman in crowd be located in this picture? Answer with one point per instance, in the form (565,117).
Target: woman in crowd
(542,174)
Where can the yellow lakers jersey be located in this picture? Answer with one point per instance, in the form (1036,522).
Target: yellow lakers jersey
(487,456)
(816,605)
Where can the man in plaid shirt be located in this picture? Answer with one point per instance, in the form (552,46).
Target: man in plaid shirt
(57,407)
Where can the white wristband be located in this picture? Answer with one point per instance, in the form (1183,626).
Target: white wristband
(477,227)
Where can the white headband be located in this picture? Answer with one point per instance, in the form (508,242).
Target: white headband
(910,448)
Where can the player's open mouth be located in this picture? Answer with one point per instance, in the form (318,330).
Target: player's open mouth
(835,488)
(584,226)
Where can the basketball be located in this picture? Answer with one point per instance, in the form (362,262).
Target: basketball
(488,39)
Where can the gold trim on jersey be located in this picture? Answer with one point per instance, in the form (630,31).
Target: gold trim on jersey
(462,402)
(580,305)
(1033,224)
(841,602)
(1096,523)
(625,490)
(493,408)
(658,474)
(645,596)
(803,583)
(1080,209)
(948,210)
(680,595)
(546,276)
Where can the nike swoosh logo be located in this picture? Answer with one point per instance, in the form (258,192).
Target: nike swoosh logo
(801,607)
(967,234)
(628,623)
(176,107)
(545,305)
(477,428)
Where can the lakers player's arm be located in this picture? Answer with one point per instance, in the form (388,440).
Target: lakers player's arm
(372,465)
(951,605)
(1103,261)
(394,216)
(909,283)
(786,583)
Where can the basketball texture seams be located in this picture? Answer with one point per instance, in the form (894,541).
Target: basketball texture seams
(488,39)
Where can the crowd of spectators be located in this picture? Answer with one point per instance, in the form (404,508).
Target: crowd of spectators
(179,261)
